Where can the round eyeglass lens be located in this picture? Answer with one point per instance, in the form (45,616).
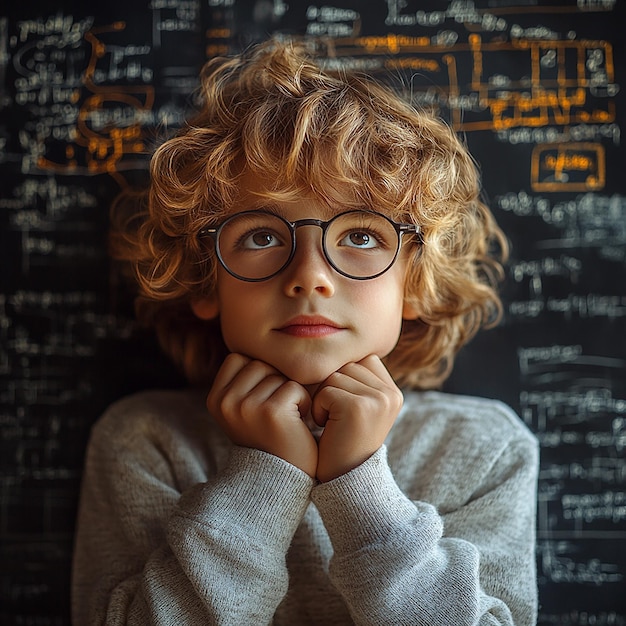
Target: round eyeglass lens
(361,244)
(253,245)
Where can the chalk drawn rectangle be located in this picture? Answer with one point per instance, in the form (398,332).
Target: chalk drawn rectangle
(568,167)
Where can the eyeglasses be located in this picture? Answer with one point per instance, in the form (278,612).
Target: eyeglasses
(257,245)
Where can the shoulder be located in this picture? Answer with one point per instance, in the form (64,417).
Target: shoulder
(483,419)
(150,412)
(444,443)
(160,429)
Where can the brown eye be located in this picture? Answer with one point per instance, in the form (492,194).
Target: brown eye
(263,240)
(361,240)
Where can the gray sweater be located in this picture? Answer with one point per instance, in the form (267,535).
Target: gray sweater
(178,526)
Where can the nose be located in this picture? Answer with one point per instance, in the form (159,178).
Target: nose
(309,271)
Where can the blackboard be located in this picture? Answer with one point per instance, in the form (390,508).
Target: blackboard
(537,91)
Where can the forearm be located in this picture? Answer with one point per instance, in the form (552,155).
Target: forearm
(396,564)
(246,532)
(219,559)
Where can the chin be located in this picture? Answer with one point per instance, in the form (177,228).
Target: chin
(307,373)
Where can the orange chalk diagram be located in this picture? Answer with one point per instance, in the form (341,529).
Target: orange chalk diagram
(106,146)
(568,167)
(551,95)
(556,83)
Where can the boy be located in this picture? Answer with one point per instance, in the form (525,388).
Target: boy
(310,242)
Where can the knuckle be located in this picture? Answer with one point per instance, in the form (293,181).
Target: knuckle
(399,396)
(271,409)
(214,401)
(290,385)
(247,407)
(278,380)
(334,380)
(260,367)
(226,406)
(236,359)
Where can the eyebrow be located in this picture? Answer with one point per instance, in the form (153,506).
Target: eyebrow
(328,212)
(271,208)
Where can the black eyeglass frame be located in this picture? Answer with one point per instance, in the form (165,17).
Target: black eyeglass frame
(400,228)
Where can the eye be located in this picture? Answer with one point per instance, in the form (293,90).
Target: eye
(361,239)
(259,239)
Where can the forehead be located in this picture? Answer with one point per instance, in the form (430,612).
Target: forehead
(326,200)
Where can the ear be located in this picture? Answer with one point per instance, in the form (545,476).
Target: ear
(410,311)
(206,308)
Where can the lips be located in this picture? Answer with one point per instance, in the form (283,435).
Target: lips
(311,326)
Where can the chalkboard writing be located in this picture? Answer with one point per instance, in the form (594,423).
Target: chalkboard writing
(536,90)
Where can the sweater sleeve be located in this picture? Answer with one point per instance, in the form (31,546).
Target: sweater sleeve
(400,561)
(149,553)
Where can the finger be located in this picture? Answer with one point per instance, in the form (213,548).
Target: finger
(253,384)
(352,378)
(319,413)
(276,396)
(273,397)
(371,371)
(238,376)
(295,394)
(362,383)
(330,393)
(231,366)
(250,375)
(347,381)
(229,369)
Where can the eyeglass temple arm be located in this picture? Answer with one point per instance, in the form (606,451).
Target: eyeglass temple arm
(209,231)
(411,228)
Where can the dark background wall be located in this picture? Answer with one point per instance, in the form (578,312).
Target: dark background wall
(538,93)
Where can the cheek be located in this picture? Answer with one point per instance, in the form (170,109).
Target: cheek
(244,313)
(381,315)
(228,335)
(391,334)
(239,333)
(235,311)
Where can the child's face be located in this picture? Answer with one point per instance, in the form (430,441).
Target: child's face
(307,321)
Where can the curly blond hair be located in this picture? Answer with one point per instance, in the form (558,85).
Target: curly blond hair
(278,113)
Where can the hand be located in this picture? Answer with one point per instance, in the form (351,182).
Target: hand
(257,407)
(357,405)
